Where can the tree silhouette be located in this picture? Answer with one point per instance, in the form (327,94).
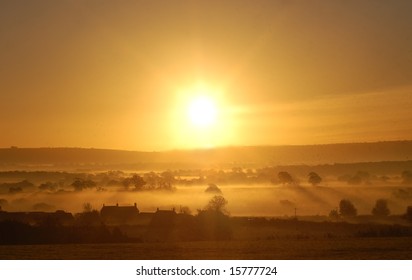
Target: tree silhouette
(359,178)
(333,214)
(87,207)
(185,210)
(346,208)
(167,179)
(88,218)
(48,186)
(213,222)
(218,204)
(381,208)
(212,188)
(151,180)
(285,178)
(314,178)
(136,180)
(79,184)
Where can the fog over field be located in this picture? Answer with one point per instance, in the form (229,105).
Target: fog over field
(50,179)
(243,200)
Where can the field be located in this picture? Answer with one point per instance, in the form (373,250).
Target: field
(268,219)
(288,249)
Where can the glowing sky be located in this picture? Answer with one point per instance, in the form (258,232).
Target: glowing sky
(117,74)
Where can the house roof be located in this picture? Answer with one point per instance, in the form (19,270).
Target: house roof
(117,208)
(118,214)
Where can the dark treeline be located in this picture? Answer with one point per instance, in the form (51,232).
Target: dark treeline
(207,225)
(92,226)
(14,232)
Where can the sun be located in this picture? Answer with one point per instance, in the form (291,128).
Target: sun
(202,117)
(202,111)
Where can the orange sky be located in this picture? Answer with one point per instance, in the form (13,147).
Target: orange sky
(120,74)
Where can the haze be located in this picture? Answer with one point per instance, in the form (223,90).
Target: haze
(119,74)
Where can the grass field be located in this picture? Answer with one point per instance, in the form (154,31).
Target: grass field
(290,249)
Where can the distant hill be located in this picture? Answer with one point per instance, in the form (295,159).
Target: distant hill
(216,157)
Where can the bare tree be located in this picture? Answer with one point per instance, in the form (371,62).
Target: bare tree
(218,204)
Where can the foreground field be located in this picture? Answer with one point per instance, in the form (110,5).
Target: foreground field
(290,249)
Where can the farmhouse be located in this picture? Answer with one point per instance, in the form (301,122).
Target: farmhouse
(130,215)
(119,215)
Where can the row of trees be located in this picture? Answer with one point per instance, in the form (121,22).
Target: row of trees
(347,209)
(285,178)
(149,181)
(167,179)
